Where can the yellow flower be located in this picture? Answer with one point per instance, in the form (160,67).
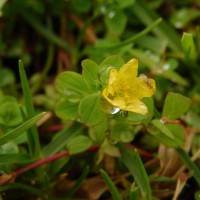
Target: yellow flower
(125,89)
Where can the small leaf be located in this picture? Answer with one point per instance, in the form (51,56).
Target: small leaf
(135,118)
(189,46)
(114,61)
(175,105)
(90,70)
(78,144)
(121,132)
(71,85)
(9,148)
(176,130)
(67,110)
(98,132)
(7,77)
(115,22)
(90,111)
(157,123)
(10,114)
(61,139)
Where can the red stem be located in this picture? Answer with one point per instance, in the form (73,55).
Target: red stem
(49,159)
(41,162)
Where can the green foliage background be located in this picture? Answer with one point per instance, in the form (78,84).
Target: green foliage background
(51,117)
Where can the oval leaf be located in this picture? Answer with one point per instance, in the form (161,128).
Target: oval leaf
(79,144)
(71,84)
(67,110)
(90,111)
(90,70)
(175,105)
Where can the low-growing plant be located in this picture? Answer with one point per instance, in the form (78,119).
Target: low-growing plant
(117,118)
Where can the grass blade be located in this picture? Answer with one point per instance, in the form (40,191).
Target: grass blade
(111,186)
(189,164)
(14,158)
(135,37)
(20,129)
(134,164)
(163,30)
(33,139)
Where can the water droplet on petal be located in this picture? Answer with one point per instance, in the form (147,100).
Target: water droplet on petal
(108,108)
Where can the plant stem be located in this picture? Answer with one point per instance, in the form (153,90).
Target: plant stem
(42,162)
(48,160)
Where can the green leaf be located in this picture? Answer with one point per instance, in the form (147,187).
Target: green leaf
(162,127)
(78,144)
(149,102)
(135,166)
(90,111)
(61,139)
(72,85)
(176,130)
(7,77)
(114,61)
(98,132)
(189,164)
(33,139)
(175,105)
(121,132)
(189,46)
(90,74)
(134,118)
(15,158)
(111,185)
(10,114)
(115,22)
(67,110)
(20,129)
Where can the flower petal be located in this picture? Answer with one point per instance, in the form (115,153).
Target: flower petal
(129,70)
(119,102)
(147,86)
(137,106)
(113,76)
